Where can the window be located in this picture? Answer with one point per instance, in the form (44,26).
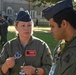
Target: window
(9,11)
(33,13)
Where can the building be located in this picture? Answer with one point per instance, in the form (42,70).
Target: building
(12,7)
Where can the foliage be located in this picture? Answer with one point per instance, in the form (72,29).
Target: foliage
(44,2)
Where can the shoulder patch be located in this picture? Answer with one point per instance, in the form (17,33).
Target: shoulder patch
(67,57)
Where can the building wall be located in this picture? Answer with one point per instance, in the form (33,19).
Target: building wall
(12,7)
(0,6)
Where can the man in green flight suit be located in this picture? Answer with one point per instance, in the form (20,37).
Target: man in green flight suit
(25,54)
(62,20)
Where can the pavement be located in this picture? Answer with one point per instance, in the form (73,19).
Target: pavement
(36,29)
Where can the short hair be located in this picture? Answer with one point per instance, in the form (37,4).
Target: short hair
(68,14)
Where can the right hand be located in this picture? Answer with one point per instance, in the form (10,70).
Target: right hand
(10,62)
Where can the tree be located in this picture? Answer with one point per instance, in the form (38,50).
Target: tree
(42,2)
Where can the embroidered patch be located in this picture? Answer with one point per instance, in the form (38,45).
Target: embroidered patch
(67,57)
(30,53)
(17,55)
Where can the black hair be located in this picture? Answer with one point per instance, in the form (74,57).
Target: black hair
(68,14)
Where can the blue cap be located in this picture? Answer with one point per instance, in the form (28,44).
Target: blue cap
(55,8)
(23,16)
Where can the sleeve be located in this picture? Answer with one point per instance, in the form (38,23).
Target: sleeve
(3,57)
(46,59)
(1,73)
(69,63)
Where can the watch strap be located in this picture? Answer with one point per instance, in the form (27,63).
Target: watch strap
(36,70)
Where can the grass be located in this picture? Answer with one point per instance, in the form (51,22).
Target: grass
(40,32)
(47,38)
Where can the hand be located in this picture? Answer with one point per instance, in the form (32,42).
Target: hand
(10,62)
(29,70)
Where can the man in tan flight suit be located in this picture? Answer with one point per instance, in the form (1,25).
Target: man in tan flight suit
(62,19)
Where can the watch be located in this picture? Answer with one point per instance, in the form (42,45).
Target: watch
(36,70)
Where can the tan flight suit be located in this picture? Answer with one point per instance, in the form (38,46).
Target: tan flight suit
(35,53)
(66,64)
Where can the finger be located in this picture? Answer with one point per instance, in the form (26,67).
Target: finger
(27,72)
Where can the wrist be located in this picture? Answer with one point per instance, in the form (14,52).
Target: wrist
(4,68)
(36,70)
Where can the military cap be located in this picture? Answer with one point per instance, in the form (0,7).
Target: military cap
(23,16)
(49,12)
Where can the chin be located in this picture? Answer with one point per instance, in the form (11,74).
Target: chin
(57,39)
(26,35)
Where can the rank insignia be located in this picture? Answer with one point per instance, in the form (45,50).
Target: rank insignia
(17,55)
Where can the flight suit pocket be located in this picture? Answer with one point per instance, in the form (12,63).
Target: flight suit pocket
(65,68)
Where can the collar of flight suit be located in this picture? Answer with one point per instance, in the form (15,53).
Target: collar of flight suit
(32,38)
(72,42)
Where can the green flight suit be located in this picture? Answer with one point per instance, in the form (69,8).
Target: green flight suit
(66,64)
(40,57)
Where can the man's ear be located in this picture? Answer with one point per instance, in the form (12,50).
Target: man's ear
(64,23)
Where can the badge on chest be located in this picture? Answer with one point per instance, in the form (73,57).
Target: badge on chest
(30,52)
(17,55)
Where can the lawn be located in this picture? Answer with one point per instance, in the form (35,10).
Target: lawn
(47,37)
(40,32)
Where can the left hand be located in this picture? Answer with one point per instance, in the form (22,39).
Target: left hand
(29,70)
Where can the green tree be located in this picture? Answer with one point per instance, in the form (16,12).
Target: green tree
(42,2)
(45,1)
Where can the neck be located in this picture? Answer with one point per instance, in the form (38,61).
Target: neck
(70,35)
(24,40)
